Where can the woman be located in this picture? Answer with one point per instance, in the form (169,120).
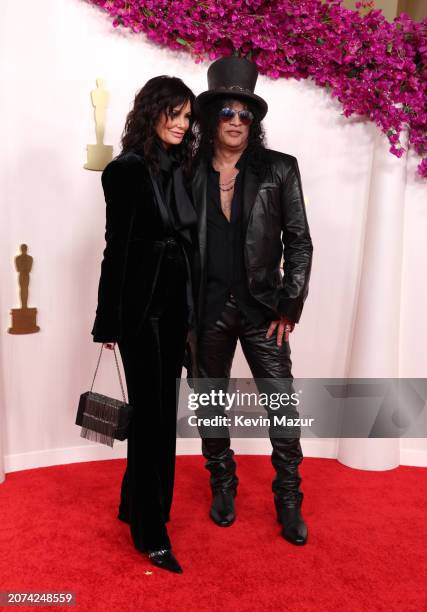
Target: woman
(145,300)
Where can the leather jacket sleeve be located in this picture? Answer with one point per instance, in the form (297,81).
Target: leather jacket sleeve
(119,214)
(297,246)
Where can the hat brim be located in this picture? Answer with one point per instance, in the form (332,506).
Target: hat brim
(207,96)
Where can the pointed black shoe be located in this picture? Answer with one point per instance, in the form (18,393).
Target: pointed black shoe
(222,509)
(294,529)
(165,559)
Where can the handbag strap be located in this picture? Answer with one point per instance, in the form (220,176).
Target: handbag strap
(118,371)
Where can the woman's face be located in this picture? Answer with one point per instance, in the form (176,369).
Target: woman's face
(171,128)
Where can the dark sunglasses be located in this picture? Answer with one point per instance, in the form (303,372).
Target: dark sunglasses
(227,114)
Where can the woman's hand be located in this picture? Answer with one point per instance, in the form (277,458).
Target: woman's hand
(109,345)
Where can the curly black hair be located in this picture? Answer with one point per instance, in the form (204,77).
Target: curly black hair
(209,120)
(159,95)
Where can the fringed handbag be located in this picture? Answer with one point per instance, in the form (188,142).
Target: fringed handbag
(102,418)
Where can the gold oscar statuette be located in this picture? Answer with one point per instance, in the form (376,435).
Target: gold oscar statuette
(24,318)
(99,154)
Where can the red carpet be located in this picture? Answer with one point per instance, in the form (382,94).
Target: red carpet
(366,551)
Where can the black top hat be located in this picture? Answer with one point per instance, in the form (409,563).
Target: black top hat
(236,77)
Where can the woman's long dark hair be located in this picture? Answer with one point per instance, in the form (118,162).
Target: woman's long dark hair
(159,95)
(209,120)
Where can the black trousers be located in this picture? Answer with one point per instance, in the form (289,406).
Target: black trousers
(152,362)
(215,351)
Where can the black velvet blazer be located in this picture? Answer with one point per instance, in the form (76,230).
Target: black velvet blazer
(135,241)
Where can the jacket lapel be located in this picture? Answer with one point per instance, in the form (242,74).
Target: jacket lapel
(199,191)
(251,185)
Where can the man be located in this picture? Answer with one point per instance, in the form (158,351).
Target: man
(250,208)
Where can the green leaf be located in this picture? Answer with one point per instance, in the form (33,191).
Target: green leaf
(354,72)
(182,42)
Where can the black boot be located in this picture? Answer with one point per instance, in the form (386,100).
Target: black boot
(222,509)
(289,515)
(286,457)
(222,467)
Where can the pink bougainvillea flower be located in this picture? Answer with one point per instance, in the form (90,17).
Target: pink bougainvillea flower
(374,68)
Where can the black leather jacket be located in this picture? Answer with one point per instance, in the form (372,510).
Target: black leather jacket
(275,225)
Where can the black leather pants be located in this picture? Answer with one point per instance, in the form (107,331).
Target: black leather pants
(215,352)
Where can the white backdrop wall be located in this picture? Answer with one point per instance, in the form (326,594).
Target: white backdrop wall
(49,63)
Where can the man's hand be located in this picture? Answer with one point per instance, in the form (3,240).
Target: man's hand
(284,326)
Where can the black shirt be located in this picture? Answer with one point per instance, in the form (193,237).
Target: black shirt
(226,271)
(180,215)
(180,210)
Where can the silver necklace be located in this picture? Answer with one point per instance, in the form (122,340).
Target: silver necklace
(233,178)
(229,185)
